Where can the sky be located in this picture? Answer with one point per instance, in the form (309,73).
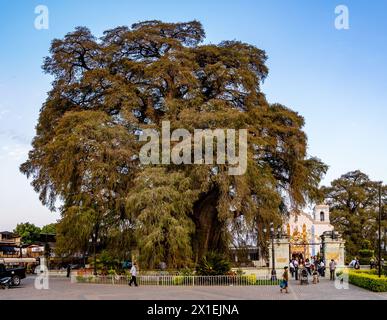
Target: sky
(336,79)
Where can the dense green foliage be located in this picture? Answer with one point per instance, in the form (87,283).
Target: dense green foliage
(31,233)
(353,201)
(28,232)
(365,256)
(107,90)
(49,229)
(368,281)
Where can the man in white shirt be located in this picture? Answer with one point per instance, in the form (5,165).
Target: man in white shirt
(322,268)
(352,263)
(133,272)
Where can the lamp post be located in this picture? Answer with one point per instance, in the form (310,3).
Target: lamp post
(272,236)
(94,241)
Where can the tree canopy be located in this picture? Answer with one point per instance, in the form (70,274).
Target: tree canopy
(49,229)
(28,232)
(107,90)
(354,203)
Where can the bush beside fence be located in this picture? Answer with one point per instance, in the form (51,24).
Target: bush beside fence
(173,280)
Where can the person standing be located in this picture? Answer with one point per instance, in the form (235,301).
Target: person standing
(322,268)
(308,266)
(133,272)
(295,263)
(332,269)
(291,267)
(372,263)
(357,264)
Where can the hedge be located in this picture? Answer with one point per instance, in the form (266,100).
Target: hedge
(368,281)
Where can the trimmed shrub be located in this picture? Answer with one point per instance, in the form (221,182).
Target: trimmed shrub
(368,281)
(250,279)
(365,256)
(178,280)
(267,282)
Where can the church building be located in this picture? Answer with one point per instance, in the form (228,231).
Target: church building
(305,230)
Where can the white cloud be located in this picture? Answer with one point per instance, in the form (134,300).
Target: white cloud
(3,112)
(15,152)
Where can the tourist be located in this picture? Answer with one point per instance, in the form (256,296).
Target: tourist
(322,268)
(295,263)
(332,269)
(372,263)
(68,270)
(357,264)
(307,266)
(291,267)
(133,272)
(285,280)
(316,262)
(352,263)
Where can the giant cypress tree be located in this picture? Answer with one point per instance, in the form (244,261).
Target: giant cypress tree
(107,90)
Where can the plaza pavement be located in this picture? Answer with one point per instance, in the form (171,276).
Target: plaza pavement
(63,289)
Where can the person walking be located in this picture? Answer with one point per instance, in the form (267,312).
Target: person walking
(68,270)
(332,269)
(133,272)
(285,280)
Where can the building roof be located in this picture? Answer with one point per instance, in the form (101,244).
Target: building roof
(12,234)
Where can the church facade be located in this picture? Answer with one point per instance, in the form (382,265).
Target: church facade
(303,236)
(304,231)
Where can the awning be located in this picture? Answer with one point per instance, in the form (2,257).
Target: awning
(18,260)
(8,249)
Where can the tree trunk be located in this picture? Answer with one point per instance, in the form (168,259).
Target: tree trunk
(208,233)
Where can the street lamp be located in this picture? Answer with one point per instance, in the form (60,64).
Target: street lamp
(273,235)
(94,241)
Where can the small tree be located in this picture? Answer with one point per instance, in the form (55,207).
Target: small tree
(213,264)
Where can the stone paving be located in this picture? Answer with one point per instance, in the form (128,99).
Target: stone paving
(61,288)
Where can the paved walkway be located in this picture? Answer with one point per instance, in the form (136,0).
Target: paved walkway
(62,289)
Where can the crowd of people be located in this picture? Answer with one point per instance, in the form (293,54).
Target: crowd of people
(301,269)
(313,267)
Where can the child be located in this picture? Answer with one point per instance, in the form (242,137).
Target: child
(316,278)
(285,279)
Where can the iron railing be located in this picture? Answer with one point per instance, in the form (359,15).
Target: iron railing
(177,280)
